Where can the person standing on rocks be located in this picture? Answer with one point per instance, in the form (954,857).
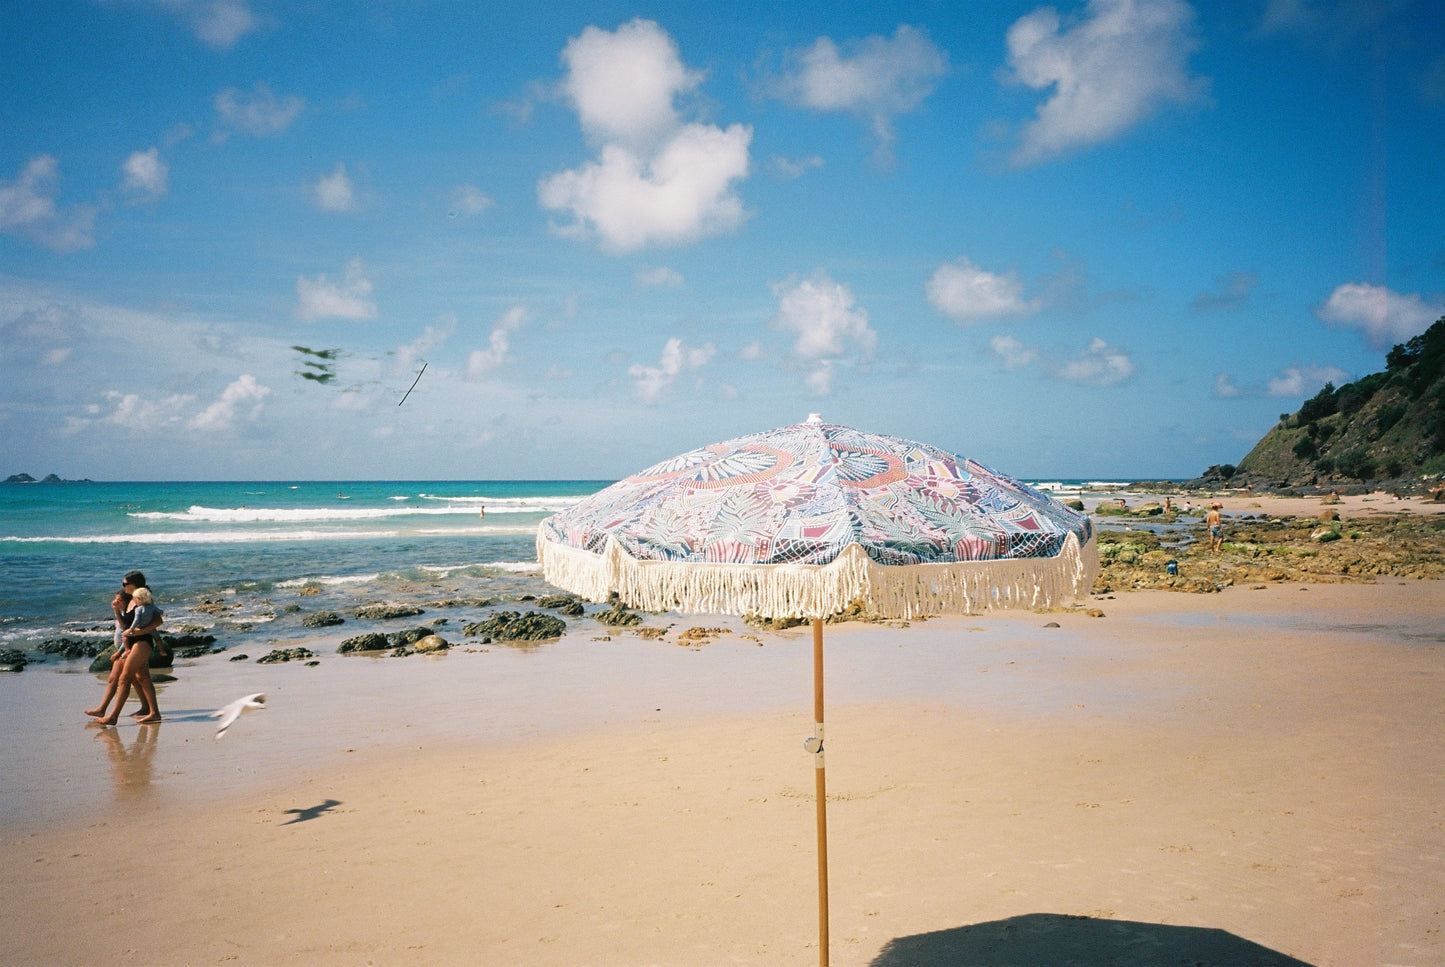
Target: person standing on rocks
(1216,527)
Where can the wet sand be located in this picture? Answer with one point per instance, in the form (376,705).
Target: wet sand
(1195,778)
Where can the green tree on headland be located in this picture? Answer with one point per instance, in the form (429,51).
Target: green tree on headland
(1384,428)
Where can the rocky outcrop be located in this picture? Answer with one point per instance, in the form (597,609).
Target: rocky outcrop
(518,626)
(322,619)
(385,612)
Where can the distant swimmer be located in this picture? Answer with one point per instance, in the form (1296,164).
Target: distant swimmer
(483,513)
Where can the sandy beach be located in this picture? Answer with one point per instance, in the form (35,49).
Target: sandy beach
(1245,777)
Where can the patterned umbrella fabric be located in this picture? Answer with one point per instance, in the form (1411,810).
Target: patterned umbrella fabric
(803,520)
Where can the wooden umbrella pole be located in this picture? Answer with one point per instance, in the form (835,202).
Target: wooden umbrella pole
(822,793)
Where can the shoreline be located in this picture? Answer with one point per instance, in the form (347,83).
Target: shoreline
(1258,762)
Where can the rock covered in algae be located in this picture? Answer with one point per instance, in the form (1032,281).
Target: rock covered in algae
(568,604)
(285,654)
(518,626)
(374,641)
(322,619)
(384,612)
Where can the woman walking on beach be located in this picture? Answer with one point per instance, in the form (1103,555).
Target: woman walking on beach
(130,664)
(119,606)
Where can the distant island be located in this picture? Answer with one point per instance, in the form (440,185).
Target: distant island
(49,478)
(1385,431)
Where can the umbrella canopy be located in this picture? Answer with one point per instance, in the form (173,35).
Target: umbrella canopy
(804,520)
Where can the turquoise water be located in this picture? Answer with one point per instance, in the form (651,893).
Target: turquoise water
(249,560)
(258,545)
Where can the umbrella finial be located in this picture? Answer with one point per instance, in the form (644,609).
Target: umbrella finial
(815,417)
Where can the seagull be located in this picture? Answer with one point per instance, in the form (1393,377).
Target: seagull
(230,713)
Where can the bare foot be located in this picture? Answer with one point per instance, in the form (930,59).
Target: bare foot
(141,714)
(95,713)
(111,720)
(153,717)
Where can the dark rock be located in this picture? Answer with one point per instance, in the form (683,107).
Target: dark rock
(20,478)
(75,647)
(401,639)
(568,604)
(369,642)
(618,616)
(285,654)
(382,612)
(514,626)
(322,619)
(461,603)
(13,660)
(240,658)
(188,642)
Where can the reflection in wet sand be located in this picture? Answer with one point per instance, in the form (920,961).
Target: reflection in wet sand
(130,767)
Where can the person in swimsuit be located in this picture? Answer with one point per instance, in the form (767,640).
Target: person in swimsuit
(1216,527)
(120,606)
(140,638)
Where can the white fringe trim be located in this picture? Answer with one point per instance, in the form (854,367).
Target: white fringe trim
(812,591)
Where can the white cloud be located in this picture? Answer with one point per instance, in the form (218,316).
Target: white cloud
(791,169)
(655,180)
(1382,316)
(682,194)
(260,113)
(216,23)
(483,361)
(1105,72)
(469,200)
(242,398)
(27,209)
(1098,365)
(650,381)
(136,412)
(659,276)
(820,380)
(623,84)
(147,177)
(1224,386)
(752,352)
(879,78)
(335,192)
(1013,353)
(320,298)
(824,317)
(431,337)
(1301,381)
(966,293)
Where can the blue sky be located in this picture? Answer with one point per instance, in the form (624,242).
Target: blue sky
(1112,239)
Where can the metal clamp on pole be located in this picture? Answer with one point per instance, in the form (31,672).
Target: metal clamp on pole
(814,744)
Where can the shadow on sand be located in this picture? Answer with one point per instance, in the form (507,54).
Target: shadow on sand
(1054,940)
(311,812)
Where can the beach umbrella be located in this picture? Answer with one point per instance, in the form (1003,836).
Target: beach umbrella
(806,520)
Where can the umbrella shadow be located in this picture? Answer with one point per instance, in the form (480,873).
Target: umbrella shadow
(1053,940)
(311,812)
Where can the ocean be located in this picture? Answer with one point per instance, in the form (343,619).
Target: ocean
(247,562)
(255,556)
